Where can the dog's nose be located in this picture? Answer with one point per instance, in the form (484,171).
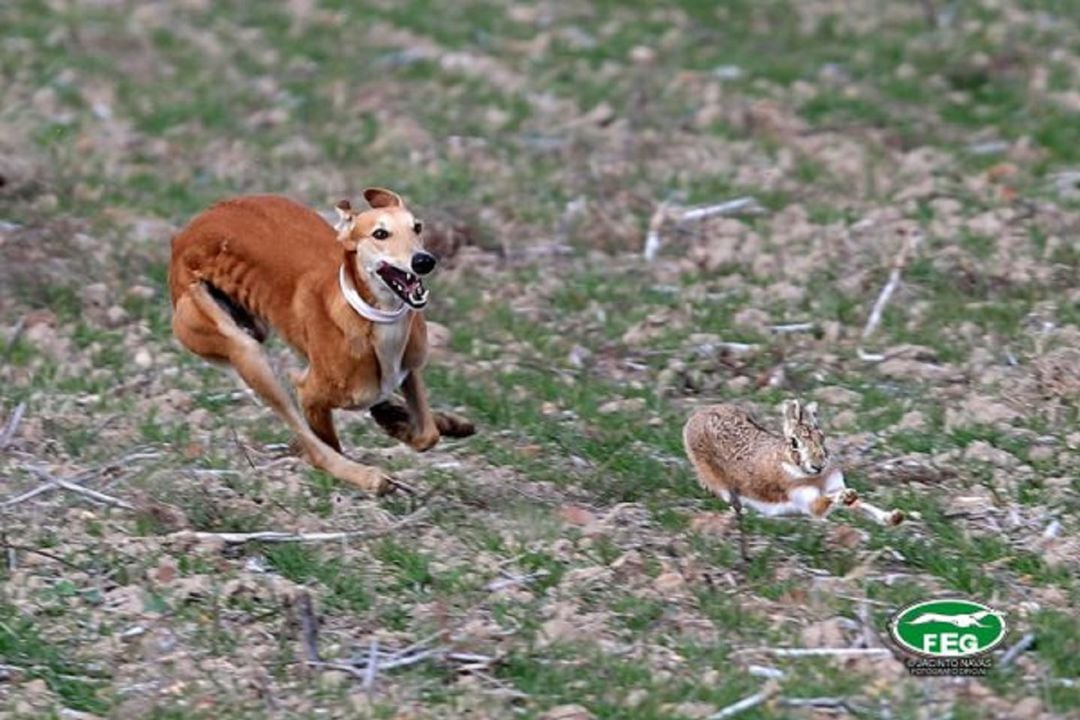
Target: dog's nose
(423,263)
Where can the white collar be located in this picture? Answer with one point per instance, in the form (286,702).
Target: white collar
(364,310)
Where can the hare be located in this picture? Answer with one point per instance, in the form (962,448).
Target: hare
(789,474)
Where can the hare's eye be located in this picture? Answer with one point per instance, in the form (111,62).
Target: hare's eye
(795,443)
(380,234)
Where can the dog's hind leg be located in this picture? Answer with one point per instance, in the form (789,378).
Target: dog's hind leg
(453,425)
(207,330)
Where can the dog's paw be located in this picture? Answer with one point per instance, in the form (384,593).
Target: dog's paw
(369,479)
(849,496)
(454,425)
(425,441)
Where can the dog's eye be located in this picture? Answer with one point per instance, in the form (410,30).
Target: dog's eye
(380,234)
(417,228)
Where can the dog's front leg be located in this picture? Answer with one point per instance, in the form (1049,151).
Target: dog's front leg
(317,412)
(423,432)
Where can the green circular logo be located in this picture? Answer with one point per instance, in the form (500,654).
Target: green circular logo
(948,627)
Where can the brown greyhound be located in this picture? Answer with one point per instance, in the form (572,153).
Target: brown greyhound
(348,298)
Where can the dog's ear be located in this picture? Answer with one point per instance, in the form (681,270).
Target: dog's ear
(380,198)
(344,225)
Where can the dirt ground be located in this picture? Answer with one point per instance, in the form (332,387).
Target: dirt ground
(640,209)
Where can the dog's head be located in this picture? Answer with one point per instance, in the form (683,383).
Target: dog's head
(387,247)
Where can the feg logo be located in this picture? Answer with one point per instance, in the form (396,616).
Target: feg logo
(948,628)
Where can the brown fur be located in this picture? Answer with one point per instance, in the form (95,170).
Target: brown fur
(733,453)
(254,263)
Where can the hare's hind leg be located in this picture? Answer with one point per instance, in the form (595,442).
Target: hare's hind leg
(736,505)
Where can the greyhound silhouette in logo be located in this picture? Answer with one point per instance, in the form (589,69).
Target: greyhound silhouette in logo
(960,621)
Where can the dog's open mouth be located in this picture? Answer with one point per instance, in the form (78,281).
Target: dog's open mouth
(408,286)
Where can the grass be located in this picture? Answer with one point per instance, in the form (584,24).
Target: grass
(21,645)
(549,133)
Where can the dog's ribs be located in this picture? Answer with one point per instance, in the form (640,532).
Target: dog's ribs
(247,320)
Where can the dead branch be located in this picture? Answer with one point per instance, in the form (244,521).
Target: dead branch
(819,652)
(277,536)
(652,237)
(747,205)
(512,580)
(309,627)
(93,494)
(747,703)
(372,665)
(52,482)
(343,667)
(907,250)
(787,328)
(664,211)
(12,425)
(27,495)
(14,547)
(818,703)
(1021,646)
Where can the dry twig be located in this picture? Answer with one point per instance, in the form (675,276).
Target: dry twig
(53,483)
(908,249)
(309,627)
(818,703)
(747,703)
(1022,645)
(664,211)
(372,665)
(820,652)
(277,536)
(12,425)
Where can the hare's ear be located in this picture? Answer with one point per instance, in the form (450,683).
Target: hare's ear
(344,225)
(810,414)
(380,198)
(792,417)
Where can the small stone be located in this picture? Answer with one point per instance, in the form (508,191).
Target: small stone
(567,712)
(826,633)
(981,451)
(116,316)
(143,358)
(844,419)
(141,292)
(1029,707)
(1041,453)
(199,418)
(576,515)
(333,679)
(642,55)
(95,295)
(912,420)
(622,405)
(752,319)
(669,583)
(836,395)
